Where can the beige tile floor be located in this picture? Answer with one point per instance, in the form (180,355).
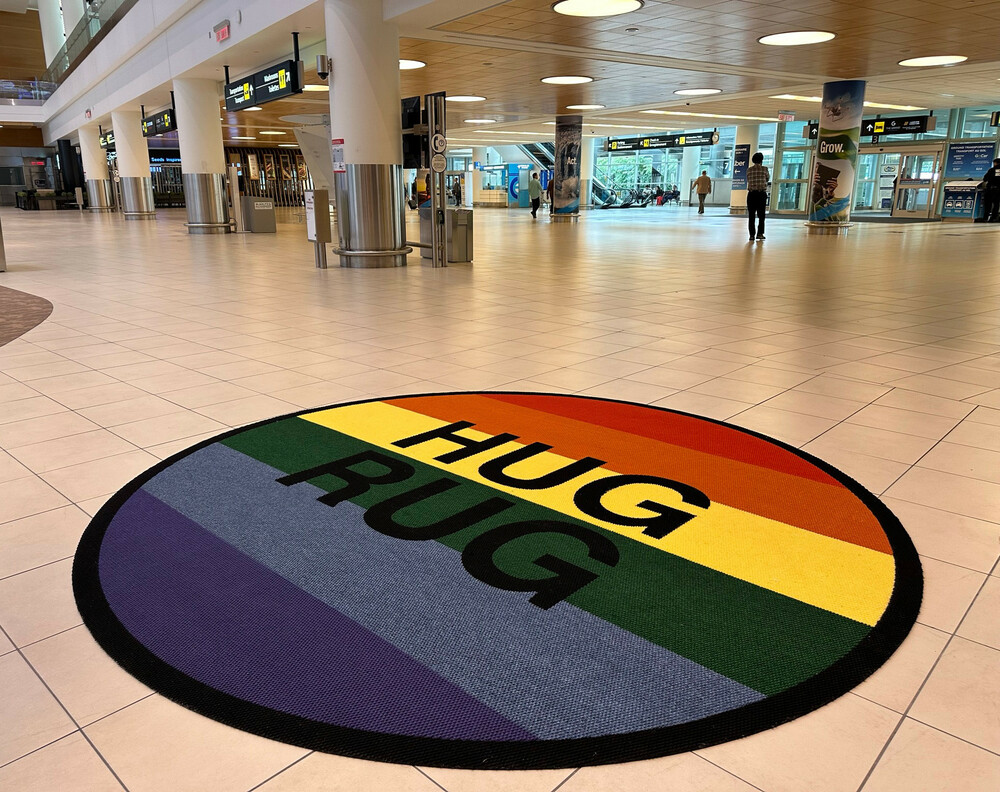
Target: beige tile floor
(879,353)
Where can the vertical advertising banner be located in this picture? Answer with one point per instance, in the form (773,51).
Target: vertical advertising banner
(566,189)
(741,161)
(837,151)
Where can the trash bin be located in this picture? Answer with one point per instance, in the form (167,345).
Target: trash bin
(458,223)
(258,215)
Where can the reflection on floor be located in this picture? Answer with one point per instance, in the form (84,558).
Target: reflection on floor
(879,352)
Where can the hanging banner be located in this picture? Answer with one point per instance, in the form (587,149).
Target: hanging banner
(566,178)
(741,161)
(837,151)
(969,160)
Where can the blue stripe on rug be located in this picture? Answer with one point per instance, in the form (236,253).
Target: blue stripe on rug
(559,673)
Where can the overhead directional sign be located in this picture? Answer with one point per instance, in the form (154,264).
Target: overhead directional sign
(663,141)
(904,125)
(275,82)
(164,121)
(108,139)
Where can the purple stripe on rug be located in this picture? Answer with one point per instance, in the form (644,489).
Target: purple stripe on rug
(224,619)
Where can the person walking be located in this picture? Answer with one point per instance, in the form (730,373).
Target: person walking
(703,184)
(758,180)
(535,194)
(991,195)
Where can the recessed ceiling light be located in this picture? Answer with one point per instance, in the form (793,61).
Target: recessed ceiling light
(316,88)
(796,38)
(253,109)
(270,132)
(934,60)
(480,120)
(584,107)
(698,91)
(596,8)
(288,145)
(567,80)
(465,98)
(407,65)
(242,137)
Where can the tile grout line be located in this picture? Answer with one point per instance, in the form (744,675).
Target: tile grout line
(916,695)
(64,709)
(282,770)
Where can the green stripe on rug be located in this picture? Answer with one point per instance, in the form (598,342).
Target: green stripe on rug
(754,636)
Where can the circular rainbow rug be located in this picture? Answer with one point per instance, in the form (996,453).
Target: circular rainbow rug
(497,580)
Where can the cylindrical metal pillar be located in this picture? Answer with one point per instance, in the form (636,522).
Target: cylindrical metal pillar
(747,137)
(203,158)
(50,19)
(133,165)
(95,169)
(480,154)
(836,154)
(364,113)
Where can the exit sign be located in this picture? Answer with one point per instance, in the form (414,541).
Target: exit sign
(221,31)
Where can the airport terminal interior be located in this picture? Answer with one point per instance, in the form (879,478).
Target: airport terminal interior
(214,214)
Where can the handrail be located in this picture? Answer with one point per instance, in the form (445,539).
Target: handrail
(98,18)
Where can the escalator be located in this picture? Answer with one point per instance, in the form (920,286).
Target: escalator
(542,154)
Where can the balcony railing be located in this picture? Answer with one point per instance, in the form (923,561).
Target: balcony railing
(98,18)
(24,92)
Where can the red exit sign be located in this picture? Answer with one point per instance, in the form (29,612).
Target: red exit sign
(222,30)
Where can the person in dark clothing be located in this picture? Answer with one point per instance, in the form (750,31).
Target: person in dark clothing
(758,180)
(991,195)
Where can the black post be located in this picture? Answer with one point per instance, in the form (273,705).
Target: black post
(295,42)
(173,105)
(226,67)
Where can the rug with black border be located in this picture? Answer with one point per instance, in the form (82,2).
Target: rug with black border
(497,580)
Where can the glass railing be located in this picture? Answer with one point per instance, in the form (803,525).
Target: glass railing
(100,16)
(25,92)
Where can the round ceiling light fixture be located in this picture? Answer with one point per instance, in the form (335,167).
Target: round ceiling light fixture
(596,8)
(698,91)
(584,107)
(469,98)
(934,60)
(567,80)
(797,38)
(480,120)
(407,65)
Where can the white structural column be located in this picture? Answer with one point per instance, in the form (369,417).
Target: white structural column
(53,34)
(72,12)
(480,154)
(588,158)
(364,113)
(95,169)
(133,165)
(203,157)
(689,170)
(746,135)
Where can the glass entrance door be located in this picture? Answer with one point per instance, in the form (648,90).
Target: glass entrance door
(916,189)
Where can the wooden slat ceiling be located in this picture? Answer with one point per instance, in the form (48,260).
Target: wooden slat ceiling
(871,36)
(21,53)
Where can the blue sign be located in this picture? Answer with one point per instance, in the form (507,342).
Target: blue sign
(513,182)
(741,161)
(959,202)
(969,160)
